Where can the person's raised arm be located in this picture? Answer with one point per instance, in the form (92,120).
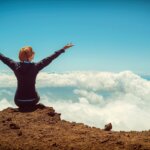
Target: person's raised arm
(9,62)
(46,61)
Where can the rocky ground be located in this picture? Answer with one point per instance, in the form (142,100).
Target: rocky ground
(43,129)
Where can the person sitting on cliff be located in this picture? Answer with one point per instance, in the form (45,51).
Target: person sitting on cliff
(26,71)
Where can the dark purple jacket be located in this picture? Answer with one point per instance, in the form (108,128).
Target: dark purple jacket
(26,74)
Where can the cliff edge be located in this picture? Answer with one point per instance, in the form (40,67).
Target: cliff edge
(43,129)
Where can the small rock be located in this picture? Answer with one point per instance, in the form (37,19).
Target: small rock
(59,114)
(52,114)
(3,121)
(73,123)
(9,119)
(14,126)
(108,127)
(19,133)
(52,122)
(54,144)
(40,106)
(119,142)
(104,140)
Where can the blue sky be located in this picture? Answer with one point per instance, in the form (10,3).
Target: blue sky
(108,35)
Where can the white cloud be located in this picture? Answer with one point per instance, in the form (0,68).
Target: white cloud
(4,91)
(7,80)
(121,98)
(92,97)
(4,103)
(123,115)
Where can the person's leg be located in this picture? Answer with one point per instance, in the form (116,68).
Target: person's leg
(26,105)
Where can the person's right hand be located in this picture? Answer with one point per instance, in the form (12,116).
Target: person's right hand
(68,46)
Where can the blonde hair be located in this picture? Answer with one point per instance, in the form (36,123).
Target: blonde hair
(26,53)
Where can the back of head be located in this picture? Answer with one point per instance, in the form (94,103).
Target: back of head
(26,53)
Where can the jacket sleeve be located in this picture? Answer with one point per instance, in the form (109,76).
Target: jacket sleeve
(46,61)
(9,62)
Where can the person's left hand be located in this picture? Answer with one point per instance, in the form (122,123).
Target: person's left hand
(68,46)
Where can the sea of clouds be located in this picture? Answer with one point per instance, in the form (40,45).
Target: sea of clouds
(97,97)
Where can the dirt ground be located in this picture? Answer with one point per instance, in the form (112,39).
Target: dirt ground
(43,129)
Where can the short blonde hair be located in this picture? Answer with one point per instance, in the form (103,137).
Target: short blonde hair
(25,53)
